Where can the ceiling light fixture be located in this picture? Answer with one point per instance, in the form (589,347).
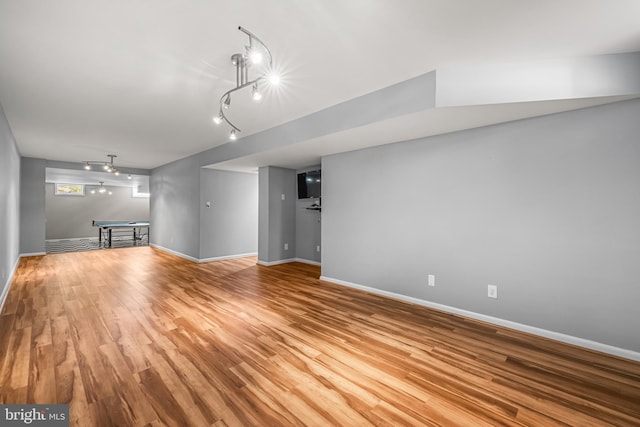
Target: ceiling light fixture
(101,189)
(254,55)
(107,166)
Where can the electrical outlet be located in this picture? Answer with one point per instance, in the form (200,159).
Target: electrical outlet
(286,246)
(318,248)
(492,291)
(431,280)
(282,196)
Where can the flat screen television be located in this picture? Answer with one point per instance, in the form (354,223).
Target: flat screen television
(309,185)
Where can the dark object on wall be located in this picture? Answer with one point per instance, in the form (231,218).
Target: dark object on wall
(309,185)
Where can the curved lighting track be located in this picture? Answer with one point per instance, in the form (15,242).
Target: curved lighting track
(254,55)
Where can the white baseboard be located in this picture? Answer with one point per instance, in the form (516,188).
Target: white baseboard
(286,261)
(271,263)
(33,254)
(308,261)
(172,252)
(580,342)
(190,258)
(7,284)
(222,258)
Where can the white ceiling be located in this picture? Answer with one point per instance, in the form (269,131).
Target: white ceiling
(80,79)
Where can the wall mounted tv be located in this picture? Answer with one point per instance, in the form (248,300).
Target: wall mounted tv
(309,185)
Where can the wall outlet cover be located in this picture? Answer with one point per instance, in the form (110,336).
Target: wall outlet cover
(492,291)
(431,280)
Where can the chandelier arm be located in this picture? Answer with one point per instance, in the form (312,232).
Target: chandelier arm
(228,93)
(253,36)
(222,115)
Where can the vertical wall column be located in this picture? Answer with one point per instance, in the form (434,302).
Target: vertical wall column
(32,206)
(276,215)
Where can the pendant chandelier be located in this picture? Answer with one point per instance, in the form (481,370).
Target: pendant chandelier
(101,189)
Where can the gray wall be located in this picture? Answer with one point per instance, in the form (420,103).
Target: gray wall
(546,209)
(10,208)
(70,216)
(230,226)
(277,217)
(181,223)
(175,207)
(263,214)
(32,206)
(286,221)
(308,231)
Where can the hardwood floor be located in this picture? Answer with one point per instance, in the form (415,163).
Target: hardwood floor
(140,337)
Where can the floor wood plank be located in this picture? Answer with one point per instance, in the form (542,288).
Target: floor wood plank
(138,337)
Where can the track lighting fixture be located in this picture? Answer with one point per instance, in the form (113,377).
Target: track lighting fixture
(254,54)
(107,166)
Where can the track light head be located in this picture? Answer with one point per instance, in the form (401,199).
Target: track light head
(255,93)
(255,56)
(274,79)
(218,119)
(232,135)
(87,166)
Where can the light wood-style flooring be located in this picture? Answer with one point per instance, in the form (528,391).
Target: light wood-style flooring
(137,337)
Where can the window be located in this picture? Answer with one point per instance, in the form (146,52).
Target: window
(135,192)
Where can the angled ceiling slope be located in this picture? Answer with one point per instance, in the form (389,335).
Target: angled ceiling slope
(445,100)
